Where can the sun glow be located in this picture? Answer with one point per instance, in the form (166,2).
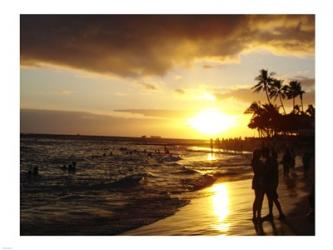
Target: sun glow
(211,121)
(208,96)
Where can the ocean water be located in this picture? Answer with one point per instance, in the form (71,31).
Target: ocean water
(118,185)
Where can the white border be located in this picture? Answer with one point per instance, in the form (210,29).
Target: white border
(9,51)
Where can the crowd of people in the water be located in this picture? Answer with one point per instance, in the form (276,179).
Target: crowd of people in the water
(71,168)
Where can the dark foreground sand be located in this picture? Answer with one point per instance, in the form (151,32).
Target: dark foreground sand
(226,209)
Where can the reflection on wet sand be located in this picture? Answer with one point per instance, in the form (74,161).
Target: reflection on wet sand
(211,157)
(220,199)
(225,209)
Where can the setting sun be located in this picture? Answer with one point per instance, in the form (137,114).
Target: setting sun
(211,121)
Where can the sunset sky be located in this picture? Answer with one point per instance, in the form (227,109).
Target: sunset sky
(152,75)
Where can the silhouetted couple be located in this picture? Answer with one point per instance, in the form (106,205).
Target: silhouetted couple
(265,181)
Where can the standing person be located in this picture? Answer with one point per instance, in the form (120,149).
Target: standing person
(271,184)
(211,145)
(166,150)
(257,184)
(292,161)
(286,161)
(306,162)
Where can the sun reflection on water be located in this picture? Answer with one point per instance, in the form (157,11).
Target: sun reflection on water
(211,157)
(220,203)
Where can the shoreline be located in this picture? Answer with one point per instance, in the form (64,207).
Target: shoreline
(206,213)
(199,218)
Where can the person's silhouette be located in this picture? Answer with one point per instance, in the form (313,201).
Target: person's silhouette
(211,145)
(292,161)
(166,150)
(306,159)
(35,171)
(286,162)
(271,183)
(257,184)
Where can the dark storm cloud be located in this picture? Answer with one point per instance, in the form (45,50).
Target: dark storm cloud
(132,45)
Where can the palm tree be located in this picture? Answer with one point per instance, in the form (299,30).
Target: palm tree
(265,118)
(297,110)
(272,119)
(256,120)
(278,90)
(310,111)
(264,80)
(301,92)
(254,109)
(294,90)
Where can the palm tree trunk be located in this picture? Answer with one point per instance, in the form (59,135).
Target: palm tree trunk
(293,104)
(266,91)
(282,105)
(301,97)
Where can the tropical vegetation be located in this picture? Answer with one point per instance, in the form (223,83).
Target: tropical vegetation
(268,120)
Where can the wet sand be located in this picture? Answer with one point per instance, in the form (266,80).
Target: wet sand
(226,209)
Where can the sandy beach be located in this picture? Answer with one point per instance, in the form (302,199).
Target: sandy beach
(226,209)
